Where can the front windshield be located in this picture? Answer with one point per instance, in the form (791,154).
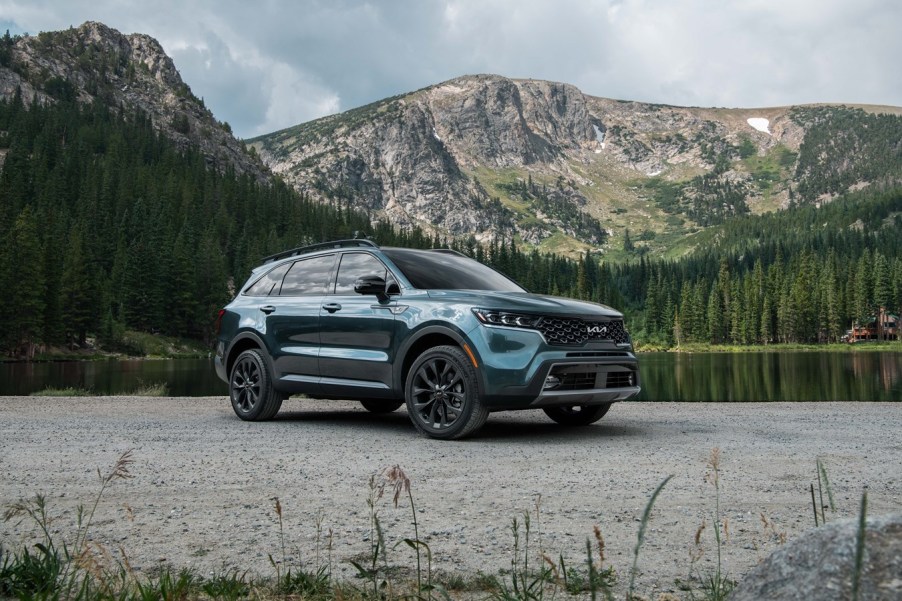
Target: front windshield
(431,270)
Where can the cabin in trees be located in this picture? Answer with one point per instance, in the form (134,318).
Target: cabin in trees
(883,326)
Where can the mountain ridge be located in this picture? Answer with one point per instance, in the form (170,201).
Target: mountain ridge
(127,71)
(471,144)
(489,157)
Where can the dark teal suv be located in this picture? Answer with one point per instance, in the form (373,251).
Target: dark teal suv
(453,339)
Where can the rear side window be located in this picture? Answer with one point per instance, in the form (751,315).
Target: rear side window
(269,283)
(356,265)
(308,276)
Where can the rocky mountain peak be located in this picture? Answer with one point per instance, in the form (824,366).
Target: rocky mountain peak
(547,164)
(94,62)
(492,120)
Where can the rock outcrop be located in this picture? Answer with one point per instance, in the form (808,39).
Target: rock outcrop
(457,157)
(820,565)
(124,72)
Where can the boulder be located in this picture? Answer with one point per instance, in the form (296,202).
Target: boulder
(820,565)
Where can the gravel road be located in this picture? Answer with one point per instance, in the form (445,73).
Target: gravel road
(204,482)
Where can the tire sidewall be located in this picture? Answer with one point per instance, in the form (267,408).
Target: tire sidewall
(473,413)
(262,406)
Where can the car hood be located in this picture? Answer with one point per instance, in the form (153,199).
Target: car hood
(525,302)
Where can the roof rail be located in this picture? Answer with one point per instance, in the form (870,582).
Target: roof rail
(359,242)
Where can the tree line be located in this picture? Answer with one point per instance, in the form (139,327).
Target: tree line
(105,225)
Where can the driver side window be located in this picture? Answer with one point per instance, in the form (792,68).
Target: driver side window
(353,266)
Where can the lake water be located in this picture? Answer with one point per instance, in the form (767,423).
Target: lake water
(785,376)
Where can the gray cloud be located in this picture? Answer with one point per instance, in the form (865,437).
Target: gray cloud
(267,65)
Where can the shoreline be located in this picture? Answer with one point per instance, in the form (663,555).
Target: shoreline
(833,347)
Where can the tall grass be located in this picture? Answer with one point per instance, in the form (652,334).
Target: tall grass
(80,570)
(859,546)
(715,586)
(640,539)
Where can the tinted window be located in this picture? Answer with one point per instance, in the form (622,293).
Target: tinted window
(269,283)
(353,266)
(445,271)
(308,276)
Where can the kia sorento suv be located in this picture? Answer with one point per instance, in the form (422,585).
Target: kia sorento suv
(449,337)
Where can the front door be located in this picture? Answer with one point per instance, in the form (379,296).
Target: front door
(357,333)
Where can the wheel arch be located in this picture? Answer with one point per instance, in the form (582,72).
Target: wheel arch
(427,338)
(241,343)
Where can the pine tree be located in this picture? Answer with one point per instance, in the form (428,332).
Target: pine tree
(628,245)
(77,291)
(26,298)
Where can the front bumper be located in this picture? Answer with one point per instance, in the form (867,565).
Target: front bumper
(515,366)
(564,382)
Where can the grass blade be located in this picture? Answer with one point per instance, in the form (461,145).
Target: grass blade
(641,538)
(859,546)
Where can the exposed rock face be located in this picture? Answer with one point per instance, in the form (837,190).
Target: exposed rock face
(479,155)
(434,158)
(131,71)
(820,564)
(492,121)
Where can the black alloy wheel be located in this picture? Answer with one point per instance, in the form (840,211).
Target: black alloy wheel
(443,395)
(250,388)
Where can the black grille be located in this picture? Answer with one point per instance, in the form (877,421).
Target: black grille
(577,381)
(620,379)
(564,330)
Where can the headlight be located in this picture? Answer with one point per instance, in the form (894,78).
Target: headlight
(504,318)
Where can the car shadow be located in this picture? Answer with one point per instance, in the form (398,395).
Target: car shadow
(518,429)
(501,427)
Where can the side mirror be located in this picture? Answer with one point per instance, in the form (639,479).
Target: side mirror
(370,284)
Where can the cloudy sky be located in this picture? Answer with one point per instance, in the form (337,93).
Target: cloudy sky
(263,65)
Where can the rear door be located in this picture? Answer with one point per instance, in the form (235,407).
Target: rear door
(357,333)
(292,322)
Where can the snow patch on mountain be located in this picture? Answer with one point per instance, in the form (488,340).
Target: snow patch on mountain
(760,123)
(599,137)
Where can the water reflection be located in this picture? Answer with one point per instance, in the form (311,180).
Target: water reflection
(183,377)
(803,376)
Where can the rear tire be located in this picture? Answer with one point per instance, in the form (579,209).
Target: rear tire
(443,394)
(577,415)
(250,388)
(379,406)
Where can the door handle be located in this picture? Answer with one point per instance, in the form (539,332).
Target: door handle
(332,307)
(268,309)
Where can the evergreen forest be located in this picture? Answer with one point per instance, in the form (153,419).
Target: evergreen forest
(106,226)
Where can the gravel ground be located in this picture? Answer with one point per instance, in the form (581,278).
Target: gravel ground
(204,482)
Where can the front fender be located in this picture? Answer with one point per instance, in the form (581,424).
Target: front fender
(428,336)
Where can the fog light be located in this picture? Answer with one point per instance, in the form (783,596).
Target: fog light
(552,382)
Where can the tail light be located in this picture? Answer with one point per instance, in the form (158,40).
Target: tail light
(219,321)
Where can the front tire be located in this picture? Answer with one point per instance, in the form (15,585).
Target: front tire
(577,415)
(250,388)
(442,394)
